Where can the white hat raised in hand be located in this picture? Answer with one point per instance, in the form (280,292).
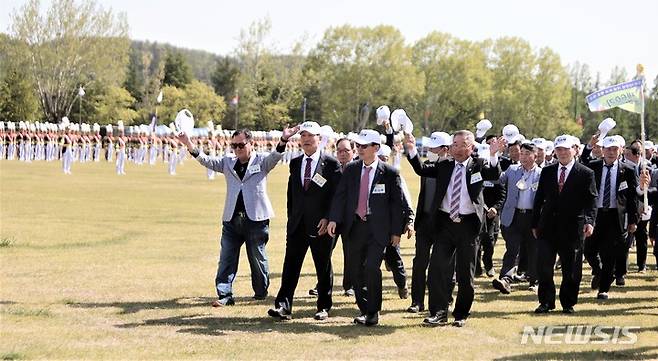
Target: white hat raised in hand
(605,126)
(383,113)
(184,122)
(482,127)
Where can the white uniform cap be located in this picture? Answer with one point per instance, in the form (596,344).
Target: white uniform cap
(383,113)
(611,141)
(564,141)
(401,122)
(384,150)
(437,139)
(605,126)
(511,133)
(482,127)
(539,143)
(368,136)
(311,127)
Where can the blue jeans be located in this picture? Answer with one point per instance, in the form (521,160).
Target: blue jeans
(234,233)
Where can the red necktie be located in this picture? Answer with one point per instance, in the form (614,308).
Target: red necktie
(307,173)
(563,174)
(362,208)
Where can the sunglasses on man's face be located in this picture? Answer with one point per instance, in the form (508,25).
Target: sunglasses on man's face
(238,145)
(363,146)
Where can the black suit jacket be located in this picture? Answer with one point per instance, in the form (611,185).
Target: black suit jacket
(561,216)
(442,171)
(308,207)
(386,216)
(627,198)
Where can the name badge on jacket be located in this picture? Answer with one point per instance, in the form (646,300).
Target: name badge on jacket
(319,179)
(379,189)
(254,169)
(488,184)
(476,177)
(623,185)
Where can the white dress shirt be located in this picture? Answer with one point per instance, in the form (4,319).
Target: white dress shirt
(613,182)
(315,157)
(465,204)
(527,196)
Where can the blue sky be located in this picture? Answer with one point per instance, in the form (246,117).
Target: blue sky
(600,33)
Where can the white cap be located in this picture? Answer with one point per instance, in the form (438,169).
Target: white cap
(437,139)
(184,122)
(564,141)
(383,113)
(539,143)
(401,122)
(511,133)
(605,126)
(549,147)
(384,150)
(326,131)
(483,150)
(622,141)
(311,127)
(368,136)
(482,127)
(612,141)
(648,144)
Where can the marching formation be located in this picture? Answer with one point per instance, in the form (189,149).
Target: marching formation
(556,203)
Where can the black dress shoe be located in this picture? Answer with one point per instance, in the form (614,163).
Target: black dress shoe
(372,319)
(280,313)
(595,282)
(360,320)
(313,292)
(403,293)
(620,281)
(568,310)
(437,319)
(501,285)
(260,297)
(602,296)
(544,308)
(490,272)
(459,323)
(415,308)
(321,315)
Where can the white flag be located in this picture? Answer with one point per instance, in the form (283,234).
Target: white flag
(81,92)
(159,99)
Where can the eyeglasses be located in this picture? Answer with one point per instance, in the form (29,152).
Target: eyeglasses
(238,145)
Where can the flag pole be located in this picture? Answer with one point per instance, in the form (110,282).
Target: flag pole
(640,76)
(304,111)
(237,110)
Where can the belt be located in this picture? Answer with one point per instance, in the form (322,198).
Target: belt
(523,211)
(607,210)
(459,218)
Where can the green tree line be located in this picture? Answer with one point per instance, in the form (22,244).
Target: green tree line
(442,81)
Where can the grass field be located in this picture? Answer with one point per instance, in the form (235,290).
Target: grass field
(97,266)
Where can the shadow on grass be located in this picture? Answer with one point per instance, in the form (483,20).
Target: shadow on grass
(193,302)
(222,326)
(638,353)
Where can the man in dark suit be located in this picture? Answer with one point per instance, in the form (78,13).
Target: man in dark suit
(460,215)
(368,207)
(563,215)
(616,215)
(494,197)
(311,185)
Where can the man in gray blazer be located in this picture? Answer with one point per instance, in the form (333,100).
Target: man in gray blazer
(247,210)
(521,182)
